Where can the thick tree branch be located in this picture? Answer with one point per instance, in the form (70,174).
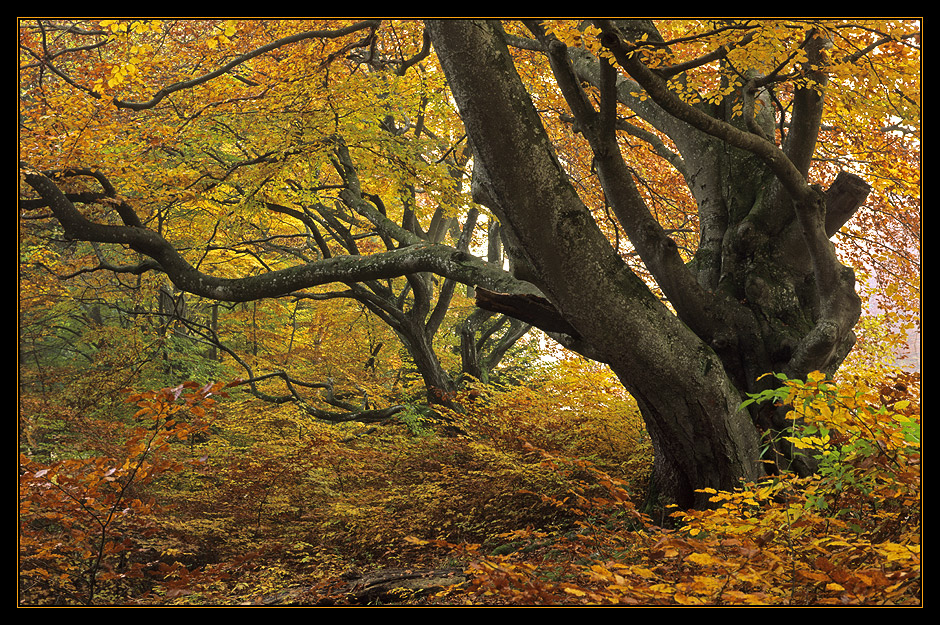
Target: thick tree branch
(791,178)
(532,309)
(807,106)
(839,306)
(657,250)
(843,199)
(412,258)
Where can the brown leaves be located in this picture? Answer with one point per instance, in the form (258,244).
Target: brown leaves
(81,518)
(829,539)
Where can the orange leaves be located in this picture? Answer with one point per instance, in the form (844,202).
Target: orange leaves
(843,537)
(200,167)
(861,511)
(382,497)
(80,517)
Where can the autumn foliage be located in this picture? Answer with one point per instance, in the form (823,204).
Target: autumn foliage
(176,450)
(287,513)
(85,519)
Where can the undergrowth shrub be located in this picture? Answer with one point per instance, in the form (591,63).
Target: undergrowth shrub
(849,535)
(580,410)
(84,521)
(531,490)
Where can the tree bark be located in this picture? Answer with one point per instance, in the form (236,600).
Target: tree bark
(764,293)
(688,402)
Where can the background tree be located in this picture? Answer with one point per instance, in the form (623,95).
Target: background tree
(689,289)
(227,157)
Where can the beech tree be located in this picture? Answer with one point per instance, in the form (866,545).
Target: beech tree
(563,123)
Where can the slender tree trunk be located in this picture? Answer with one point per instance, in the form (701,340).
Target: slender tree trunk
(441,388)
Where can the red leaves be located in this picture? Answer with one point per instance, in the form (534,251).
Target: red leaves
(81,517)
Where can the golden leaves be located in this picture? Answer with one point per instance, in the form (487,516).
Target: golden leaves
(228,30)
(122,27)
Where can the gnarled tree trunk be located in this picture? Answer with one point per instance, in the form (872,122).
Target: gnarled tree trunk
(765,292)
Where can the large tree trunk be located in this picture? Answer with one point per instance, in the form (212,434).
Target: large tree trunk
(764,294)
(690,406)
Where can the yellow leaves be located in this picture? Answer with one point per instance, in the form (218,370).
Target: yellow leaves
(173,552)
(568,32)
(820,443)
(704,559)
(813,525)
(894,552)
(135,47)
(122,27)
(575,34)
(115,26)
(223,38)
(815,377)
(686,599)
(669,551)
(120,73)
(569,413)
(601,572)
(851,408)
(643,572)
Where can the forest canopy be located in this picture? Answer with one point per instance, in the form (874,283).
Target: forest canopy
(526,295)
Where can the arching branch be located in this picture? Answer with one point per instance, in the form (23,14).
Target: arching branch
(412,258)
